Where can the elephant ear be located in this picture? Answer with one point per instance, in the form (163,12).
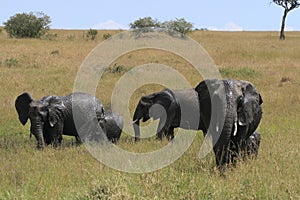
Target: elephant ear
(22,106)
(248,104)
(55,110)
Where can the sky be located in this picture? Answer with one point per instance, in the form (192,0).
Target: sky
(255,15)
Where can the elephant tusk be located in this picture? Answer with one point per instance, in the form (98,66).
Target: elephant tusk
(235,129)
(135,121)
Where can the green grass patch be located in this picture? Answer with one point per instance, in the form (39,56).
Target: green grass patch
(241,72)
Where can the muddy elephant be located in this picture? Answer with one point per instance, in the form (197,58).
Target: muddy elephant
(166,105)
(238,111)
(112,125)
(53,116)
(229,110)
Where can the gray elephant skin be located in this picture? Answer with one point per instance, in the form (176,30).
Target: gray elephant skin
(165,105)
(112,125)
(52,116)
(229,110)
(253,143)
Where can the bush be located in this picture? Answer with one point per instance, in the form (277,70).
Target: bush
(27,25)
(92,33)
(10,62)
(106,36)
(117,69)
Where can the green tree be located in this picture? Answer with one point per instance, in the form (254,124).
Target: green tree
(27,25)
(288,5)
(178,26)
(144,23)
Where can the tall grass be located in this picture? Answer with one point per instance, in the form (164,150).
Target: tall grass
(70,172)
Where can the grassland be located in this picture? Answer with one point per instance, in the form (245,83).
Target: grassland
(49,66)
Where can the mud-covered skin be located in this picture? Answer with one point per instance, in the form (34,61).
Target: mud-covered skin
(53,116)
(112,126)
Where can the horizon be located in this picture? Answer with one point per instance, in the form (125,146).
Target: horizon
(115,15)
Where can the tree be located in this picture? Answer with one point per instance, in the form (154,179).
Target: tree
(178,26)
(173,27)
(288,5)
(27,25)
(144,23)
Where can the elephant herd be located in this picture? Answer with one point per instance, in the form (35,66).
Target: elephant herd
(229,110)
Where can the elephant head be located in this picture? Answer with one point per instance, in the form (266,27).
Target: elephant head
(249,104)
(154,106)
(44,112)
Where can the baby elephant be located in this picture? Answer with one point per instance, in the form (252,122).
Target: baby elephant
(112,125)
(253,143)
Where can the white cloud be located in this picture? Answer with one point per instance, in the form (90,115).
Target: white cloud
(289,28)
(109,25)
(230,26)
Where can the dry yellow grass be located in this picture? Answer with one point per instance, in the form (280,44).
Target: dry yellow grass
(44,67)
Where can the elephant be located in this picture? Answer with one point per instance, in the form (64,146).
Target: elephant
(239,112)
(253,143)
(52,116)
(251,149)
(171,102)
(112,125)
(229,110)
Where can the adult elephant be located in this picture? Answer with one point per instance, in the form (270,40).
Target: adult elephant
(53,116)
(173,108)
(237,111)
(230,110)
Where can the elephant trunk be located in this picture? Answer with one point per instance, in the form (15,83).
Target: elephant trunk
(136,123)
(141,112)
(37,131)
(136,127)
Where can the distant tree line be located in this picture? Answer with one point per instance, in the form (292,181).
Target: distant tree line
(176,26)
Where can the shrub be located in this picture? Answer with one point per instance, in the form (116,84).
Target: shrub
(27,25)
(92,33)
(55,52)
(117,69)
(106,36)
(70,37)
(11,62)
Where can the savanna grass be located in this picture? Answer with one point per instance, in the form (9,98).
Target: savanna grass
(70,172)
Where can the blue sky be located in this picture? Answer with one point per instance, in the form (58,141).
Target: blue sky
(216,15)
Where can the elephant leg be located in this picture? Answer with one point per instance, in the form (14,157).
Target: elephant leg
(170,133)
(78,139)
(160,129)
(164,126)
